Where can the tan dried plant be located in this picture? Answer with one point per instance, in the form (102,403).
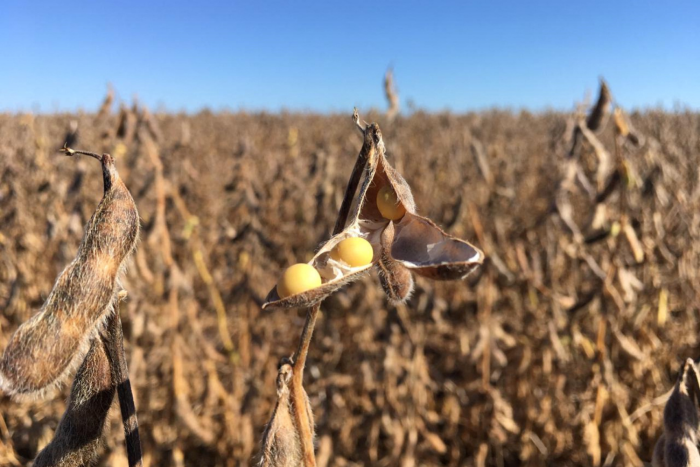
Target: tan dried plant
(624,129)
(600,112)
(79,322)
(392,95)
(106,106)
(402,242)
(594,123)
(79,436)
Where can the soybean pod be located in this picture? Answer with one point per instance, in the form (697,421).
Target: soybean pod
(44,350)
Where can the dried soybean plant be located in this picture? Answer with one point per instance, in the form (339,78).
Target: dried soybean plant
(392,95)
(604,213)
(79,322)
(678,445)
(378,227)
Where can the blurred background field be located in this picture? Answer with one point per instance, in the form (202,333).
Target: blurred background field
(556,352)
(230,124)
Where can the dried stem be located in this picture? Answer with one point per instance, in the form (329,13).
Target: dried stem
(114,343)
(71,152)
(302,417)
(356,119)
(306,334)
(392,96)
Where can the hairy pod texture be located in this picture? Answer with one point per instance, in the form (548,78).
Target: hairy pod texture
(677,447)
(281,444)
(46,347)
(78,438)
(396,280)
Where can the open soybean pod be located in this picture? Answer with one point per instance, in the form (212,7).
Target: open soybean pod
(49,345)
(384,215)
(418,244)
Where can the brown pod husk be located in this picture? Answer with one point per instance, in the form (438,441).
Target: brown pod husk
(426,249)
(79,437)
(281,444)
(678,445)
(335,274)
(600,112)
(313,296)
(396,279)
(418,244)
(46,347)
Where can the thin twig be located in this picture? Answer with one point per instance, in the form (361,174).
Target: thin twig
(356,119)
(301,416)
(303,348)
(71,152)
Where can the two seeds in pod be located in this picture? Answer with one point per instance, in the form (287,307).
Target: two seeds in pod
(354,251)
(296,279)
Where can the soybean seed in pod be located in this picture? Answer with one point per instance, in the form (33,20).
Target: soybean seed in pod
(297,279)
(354,251)
(389,205)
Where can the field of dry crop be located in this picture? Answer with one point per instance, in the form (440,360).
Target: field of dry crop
(558,351)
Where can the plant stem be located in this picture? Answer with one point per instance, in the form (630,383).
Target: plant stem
(114,343)
(302,416)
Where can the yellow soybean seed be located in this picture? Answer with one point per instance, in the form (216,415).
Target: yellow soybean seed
(354,251)
(389,205)
(297,279)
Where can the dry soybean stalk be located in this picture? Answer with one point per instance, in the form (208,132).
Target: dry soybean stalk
(289,436)
(113,339)
(378,227)
(392,95)
(303,417)
(44,350)
(601,111)
(49,345)
(106,106)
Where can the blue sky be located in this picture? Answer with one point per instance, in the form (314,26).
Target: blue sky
(331,55)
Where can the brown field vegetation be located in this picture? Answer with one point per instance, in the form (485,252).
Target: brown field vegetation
(560,350)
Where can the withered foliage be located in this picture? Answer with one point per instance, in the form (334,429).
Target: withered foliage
(556,351)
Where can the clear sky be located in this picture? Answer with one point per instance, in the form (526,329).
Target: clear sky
(331,55)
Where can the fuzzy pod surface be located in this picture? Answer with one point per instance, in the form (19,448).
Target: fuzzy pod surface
(51,343)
